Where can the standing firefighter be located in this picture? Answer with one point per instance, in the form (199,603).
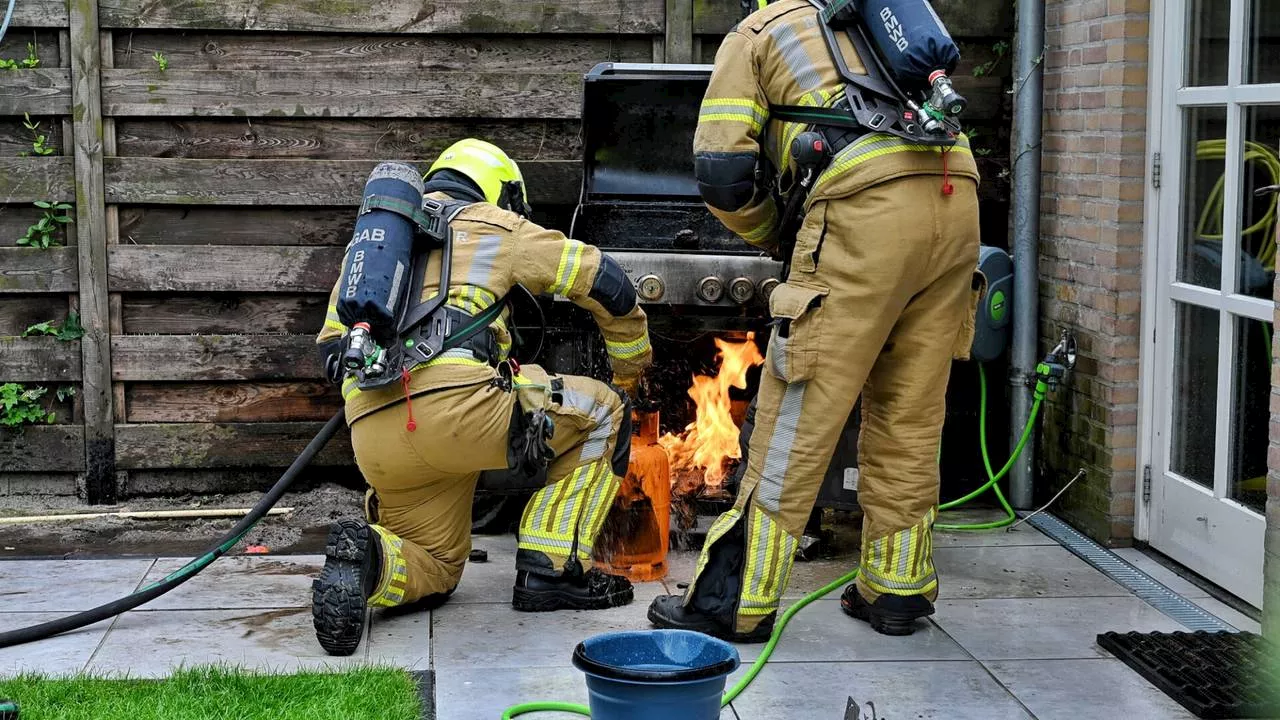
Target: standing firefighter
(879,298)
(436,399)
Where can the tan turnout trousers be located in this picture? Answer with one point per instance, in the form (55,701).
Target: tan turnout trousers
(423,481)
(882,312)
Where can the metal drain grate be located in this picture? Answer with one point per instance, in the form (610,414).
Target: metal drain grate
(1139,583)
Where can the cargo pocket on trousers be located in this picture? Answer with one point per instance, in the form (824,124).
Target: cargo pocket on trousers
(809,239)
(964,338)
(797,327)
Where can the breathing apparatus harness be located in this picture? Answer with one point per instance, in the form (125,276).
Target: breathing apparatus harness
(906,92)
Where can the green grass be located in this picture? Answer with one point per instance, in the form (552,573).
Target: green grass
(220,694)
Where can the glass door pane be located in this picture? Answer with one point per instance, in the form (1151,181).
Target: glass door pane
(1261,168)
(1262,53)
(1251,413)
(1203,193)
(1209,31)
(1195,394)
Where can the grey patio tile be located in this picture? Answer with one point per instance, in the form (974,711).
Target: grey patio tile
(1024,571)
(495,636)
(1045,628)
(62,585)
(64,654)
(1160,573)
(821,632)
(482,693)
(942,690)
(240,582)
(1236,618)
(400,639)
(153,644)
(1074,689)
(1024,534)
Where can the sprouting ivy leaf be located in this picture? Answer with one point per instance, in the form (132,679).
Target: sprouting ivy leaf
(44,328)
(65,392)
(43,204)
(71,328)
(62,206)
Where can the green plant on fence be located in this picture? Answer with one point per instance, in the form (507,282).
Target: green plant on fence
(38,139)
(70,329)
(161,60)
(1001,50)
(44,232)
(30,61)
(20,406)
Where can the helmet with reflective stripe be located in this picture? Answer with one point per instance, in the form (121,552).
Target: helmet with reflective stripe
(490,168)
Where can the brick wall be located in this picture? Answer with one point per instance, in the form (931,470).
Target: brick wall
(1095,117)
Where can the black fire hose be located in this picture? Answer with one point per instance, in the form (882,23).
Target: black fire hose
(188,571)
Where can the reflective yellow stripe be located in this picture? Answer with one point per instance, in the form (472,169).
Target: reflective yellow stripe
(598,507)
(761,232)
(567,271)
(395,579)
(902,563)
(628,350)
(743,110)
(879,145)
(335,325)
(769,555)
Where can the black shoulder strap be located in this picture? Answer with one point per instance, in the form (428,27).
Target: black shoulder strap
(439,216)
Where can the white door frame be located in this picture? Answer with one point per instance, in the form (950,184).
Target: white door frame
(1163,219)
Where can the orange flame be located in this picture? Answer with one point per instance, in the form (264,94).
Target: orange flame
(712,438)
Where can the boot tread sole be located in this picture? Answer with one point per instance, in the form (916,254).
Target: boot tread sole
(338,606)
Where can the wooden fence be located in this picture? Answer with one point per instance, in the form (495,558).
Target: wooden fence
(213,151)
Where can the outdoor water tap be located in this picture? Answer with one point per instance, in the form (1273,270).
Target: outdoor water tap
(1055,366)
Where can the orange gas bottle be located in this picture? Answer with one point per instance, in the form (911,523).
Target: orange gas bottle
(636,534)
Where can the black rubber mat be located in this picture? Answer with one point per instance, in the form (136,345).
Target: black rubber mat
(1214,675)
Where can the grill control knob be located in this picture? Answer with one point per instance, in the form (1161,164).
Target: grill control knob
(766,288)
(741,290)
(651,288)
(710,289)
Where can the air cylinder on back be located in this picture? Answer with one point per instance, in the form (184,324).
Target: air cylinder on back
(910,38)
(376,267)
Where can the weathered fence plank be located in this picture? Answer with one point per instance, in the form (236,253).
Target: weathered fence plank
(27,270)
(288,182)
(205,445)
(19,312)
(38,359)
(37,91)
(678,47)
(396,53)
(963,18)
(223,314)
(218,268)
(341,93)
(42,448)
(45,43)
(232,402)
(39,13)
(214,357)
(341,139)
(168,225)
(608,17)
(28,179)
(91,244)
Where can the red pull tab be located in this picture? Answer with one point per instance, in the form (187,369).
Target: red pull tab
(411,425)
(947,187)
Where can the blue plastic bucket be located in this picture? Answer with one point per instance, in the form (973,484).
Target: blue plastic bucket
(655,674)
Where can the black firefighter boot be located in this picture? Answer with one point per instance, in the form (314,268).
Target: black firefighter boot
(889,614)
(352,568)
(572,589)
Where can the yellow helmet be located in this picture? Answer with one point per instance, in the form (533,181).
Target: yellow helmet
(489,167)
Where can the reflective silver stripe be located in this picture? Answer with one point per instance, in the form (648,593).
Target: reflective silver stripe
(874,578)
(778,354)
(762,536)
(487,248)
(573,251)
(791,47)
(576,496)
(904,557)
(778,456)
(543,498)
(594,448)
(578,401)
(550,542)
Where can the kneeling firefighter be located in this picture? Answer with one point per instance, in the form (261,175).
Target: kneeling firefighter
(879,295)
(418,334)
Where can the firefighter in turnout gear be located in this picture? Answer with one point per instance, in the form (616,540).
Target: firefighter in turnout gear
(880,297)
(422,442)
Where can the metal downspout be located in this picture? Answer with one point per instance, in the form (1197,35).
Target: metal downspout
(1028,99)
